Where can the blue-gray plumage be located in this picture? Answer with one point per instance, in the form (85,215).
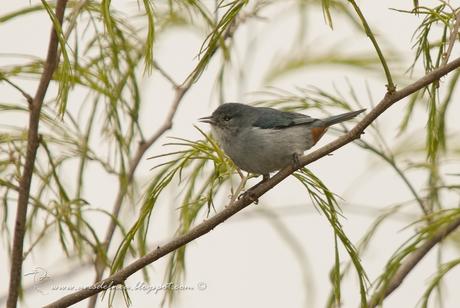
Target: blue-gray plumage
(262,140)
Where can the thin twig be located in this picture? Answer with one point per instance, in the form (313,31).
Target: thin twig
(50,65)
(447,3)
(134,162)
(390,160)
(239,189)
(24,93)
(452,38)
(206,226)
(391,87)
(408,265)
(142,148)
(72,21)
(181,90)
(165,74)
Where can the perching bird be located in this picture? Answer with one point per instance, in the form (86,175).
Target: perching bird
(261,140)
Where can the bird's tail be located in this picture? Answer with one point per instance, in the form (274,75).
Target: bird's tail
(340,118)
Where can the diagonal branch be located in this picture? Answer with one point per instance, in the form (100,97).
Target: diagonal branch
(24,93)
(142,148)
(50,65)
(180,91)
(133,164)
(390,86)
(452,38)
(408,265)
(120,276)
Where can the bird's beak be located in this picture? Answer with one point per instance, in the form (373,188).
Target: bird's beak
(209,120)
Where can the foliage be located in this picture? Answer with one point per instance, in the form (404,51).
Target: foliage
(92,121)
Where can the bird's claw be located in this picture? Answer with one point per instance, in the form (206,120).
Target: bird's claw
(250,195)
(250,192)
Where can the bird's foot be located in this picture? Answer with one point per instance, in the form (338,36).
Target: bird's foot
(250,192)
(250,195)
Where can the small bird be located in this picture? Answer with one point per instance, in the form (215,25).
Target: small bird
(261,140)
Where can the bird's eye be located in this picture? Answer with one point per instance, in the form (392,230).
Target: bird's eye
(227,118)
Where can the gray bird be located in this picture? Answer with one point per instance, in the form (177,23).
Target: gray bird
(261,140)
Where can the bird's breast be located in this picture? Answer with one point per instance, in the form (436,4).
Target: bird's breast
(263,151)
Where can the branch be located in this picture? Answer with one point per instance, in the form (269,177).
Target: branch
(165,75)
(120,276)
(452,38)
(24,93)
(390,160)
(142,148)
(50,65)
(390,86)
(133,164)
(408,265)
(144,145)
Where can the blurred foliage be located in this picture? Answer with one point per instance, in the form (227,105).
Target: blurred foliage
(108,50)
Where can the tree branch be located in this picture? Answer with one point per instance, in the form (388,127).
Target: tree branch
(165,75)
(50,65)
(134,162)
(142,148)
(390,86)
(180,91)
(24,93)
(408,265)
(120,276)
(452,38)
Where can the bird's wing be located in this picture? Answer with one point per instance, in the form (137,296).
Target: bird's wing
(270,118)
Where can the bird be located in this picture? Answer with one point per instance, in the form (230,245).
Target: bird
(261,140)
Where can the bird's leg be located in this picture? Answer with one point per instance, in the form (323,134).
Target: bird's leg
(241,174)
(236,193)
(295,161)
(250,193)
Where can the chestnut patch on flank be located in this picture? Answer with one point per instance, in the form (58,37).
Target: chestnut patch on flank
(317,133)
